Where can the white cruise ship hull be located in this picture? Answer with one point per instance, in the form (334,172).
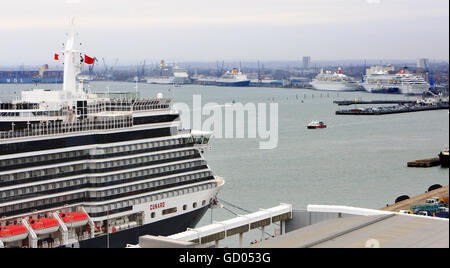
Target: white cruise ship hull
(414,89)
(334,86)
(396,89)
(382,89)
(161,81)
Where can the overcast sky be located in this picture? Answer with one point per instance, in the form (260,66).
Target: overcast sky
(209,30)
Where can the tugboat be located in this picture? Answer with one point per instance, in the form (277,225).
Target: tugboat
(316,125)
(443,157)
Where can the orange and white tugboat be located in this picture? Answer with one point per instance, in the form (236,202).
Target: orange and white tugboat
(316,125)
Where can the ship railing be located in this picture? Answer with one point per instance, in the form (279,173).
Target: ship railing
(9,105)
(119,105)
(85,125)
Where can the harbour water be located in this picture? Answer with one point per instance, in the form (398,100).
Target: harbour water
(357,161)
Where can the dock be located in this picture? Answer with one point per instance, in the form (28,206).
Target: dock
(425,163)
(417,200)
(395,110)
(356,102)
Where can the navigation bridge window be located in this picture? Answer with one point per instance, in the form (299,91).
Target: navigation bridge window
(200,137)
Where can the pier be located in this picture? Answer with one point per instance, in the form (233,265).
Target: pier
(356,102)
(396,109)
(417,200)
(425,163)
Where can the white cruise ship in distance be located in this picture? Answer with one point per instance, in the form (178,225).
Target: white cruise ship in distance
(334,81)
(384,79)
(79,169)
(169,75)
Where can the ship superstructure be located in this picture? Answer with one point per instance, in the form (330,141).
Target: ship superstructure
(334,81)
(80,169)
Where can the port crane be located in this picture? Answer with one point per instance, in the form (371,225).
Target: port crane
(108,71)
(221,70)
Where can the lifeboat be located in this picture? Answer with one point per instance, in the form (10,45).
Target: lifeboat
(316,125)
(44,226)
(13,233)
(74,219)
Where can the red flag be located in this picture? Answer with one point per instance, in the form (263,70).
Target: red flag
(88,60)
(56,57)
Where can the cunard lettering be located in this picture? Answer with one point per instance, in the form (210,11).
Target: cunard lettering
(157,206)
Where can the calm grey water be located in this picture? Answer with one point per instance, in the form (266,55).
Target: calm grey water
(356,161)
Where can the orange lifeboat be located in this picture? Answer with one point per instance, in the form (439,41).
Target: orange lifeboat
(44,226)
(74,219)
(13,233)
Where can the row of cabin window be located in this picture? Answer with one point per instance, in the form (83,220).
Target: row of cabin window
(42,202)
(142,159)
(112,150)
(148,185)
(145,172)
(113,206)
(42,172)
(149,198)
(143,146)
(42,188)
(41,158)
(79,167)
(82,181)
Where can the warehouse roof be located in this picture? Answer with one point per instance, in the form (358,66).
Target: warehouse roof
(386,231)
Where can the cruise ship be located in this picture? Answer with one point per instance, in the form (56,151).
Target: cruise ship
(169,75)
(334,81)
(383,79)
(234,78)
(80,169)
